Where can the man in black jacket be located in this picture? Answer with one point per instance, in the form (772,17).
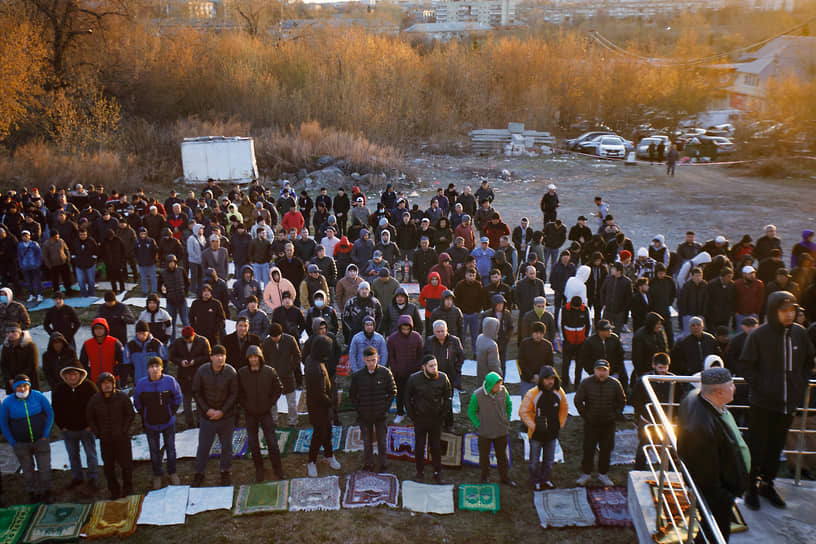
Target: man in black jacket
(426,398)
(372,391)
(188,353)
(207,315)
(663,291)
(283,352)
(616,296)
(237,344)
(690,352)
(258,391)
(62,319)
(599,399)
(722,299)
(449,354)
(778,361)
(69,401)
(711,446)
(648,340)
(606,345)
(110,414)
(215,387)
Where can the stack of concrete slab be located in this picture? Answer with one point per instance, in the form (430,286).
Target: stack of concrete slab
(488,140)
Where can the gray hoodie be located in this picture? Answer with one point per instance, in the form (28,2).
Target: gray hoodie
(487,350)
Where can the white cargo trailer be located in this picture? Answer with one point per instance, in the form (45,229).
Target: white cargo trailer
(220,158)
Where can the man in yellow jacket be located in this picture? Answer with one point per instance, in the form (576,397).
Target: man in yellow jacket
(543,411)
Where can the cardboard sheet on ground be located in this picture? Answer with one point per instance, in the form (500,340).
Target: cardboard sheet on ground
(513,375)
(283,407)
(165,506)
(469,368)
(202,499)
(558,455)
(59,456)
(8,460)
(426,498)
(456,402)
(186,444)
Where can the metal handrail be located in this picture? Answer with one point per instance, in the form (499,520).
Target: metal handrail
(662,423)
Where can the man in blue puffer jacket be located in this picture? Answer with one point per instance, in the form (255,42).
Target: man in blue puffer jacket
(25,419)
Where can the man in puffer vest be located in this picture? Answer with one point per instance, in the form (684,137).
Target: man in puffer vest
(489,410)
(574,330)
(543,411)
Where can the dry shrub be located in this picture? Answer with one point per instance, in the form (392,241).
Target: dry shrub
(40,164)
(278,150)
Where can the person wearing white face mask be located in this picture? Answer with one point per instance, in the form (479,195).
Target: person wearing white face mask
(321,309)
(26,418)
(12,311)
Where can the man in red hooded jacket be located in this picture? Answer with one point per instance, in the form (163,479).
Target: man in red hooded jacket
(102,352)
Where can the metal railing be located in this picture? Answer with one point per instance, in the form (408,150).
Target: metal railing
(671,473)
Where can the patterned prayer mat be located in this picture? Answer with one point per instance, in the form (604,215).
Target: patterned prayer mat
(610,506)
(13,522)
(239,444)
(451,445)
(304,438)
(667,534)
(400,443)
(426,498)
(563,508)
(309,494)
(261,498)
(470,452)
(354,440)
(370,489)
(481,498)
(57,523)
(165,506)
(285,438)
(202,499)
(113,518)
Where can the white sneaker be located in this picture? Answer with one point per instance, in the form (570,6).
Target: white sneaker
(30,298)
(583,479)
(334,463)
(398,419)
(311,469)
(606,480)
(39,298)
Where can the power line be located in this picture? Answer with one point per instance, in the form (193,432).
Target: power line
(609,45)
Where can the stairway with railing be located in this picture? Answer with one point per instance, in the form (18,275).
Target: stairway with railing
(680,507)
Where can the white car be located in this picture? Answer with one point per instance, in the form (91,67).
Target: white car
(642,149)
(611,146)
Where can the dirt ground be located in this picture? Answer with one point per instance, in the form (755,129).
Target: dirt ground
(710,200)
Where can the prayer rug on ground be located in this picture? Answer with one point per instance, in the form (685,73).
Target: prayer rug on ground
(59,522)
(469,368)
(513,375)
(400,443)
(451,445)
(8,460)
(456,402)
(563,508)
(354,440)
(262,498)
(481,497)
(558,455)
(165,506)
(470,451)
(239,444)
(113,518)
(304,438)
(13,522)
(202,499)
(285,438)
(309,494)
(426,498)
(626,444)
(140,448)
(186,443)
(609,506)
(370,489)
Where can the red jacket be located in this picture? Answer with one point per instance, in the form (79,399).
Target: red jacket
(494,232)
(293,219)
(750,296)
(101,357)
(430,297)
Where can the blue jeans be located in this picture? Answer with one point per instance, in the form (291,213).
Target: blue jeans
(261,271)
(551,257)
(88,440)
(86,278)
(169,435)
(32,279)
(541,460)
(470,325)
(148,273)
(207,429)
(179,310)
